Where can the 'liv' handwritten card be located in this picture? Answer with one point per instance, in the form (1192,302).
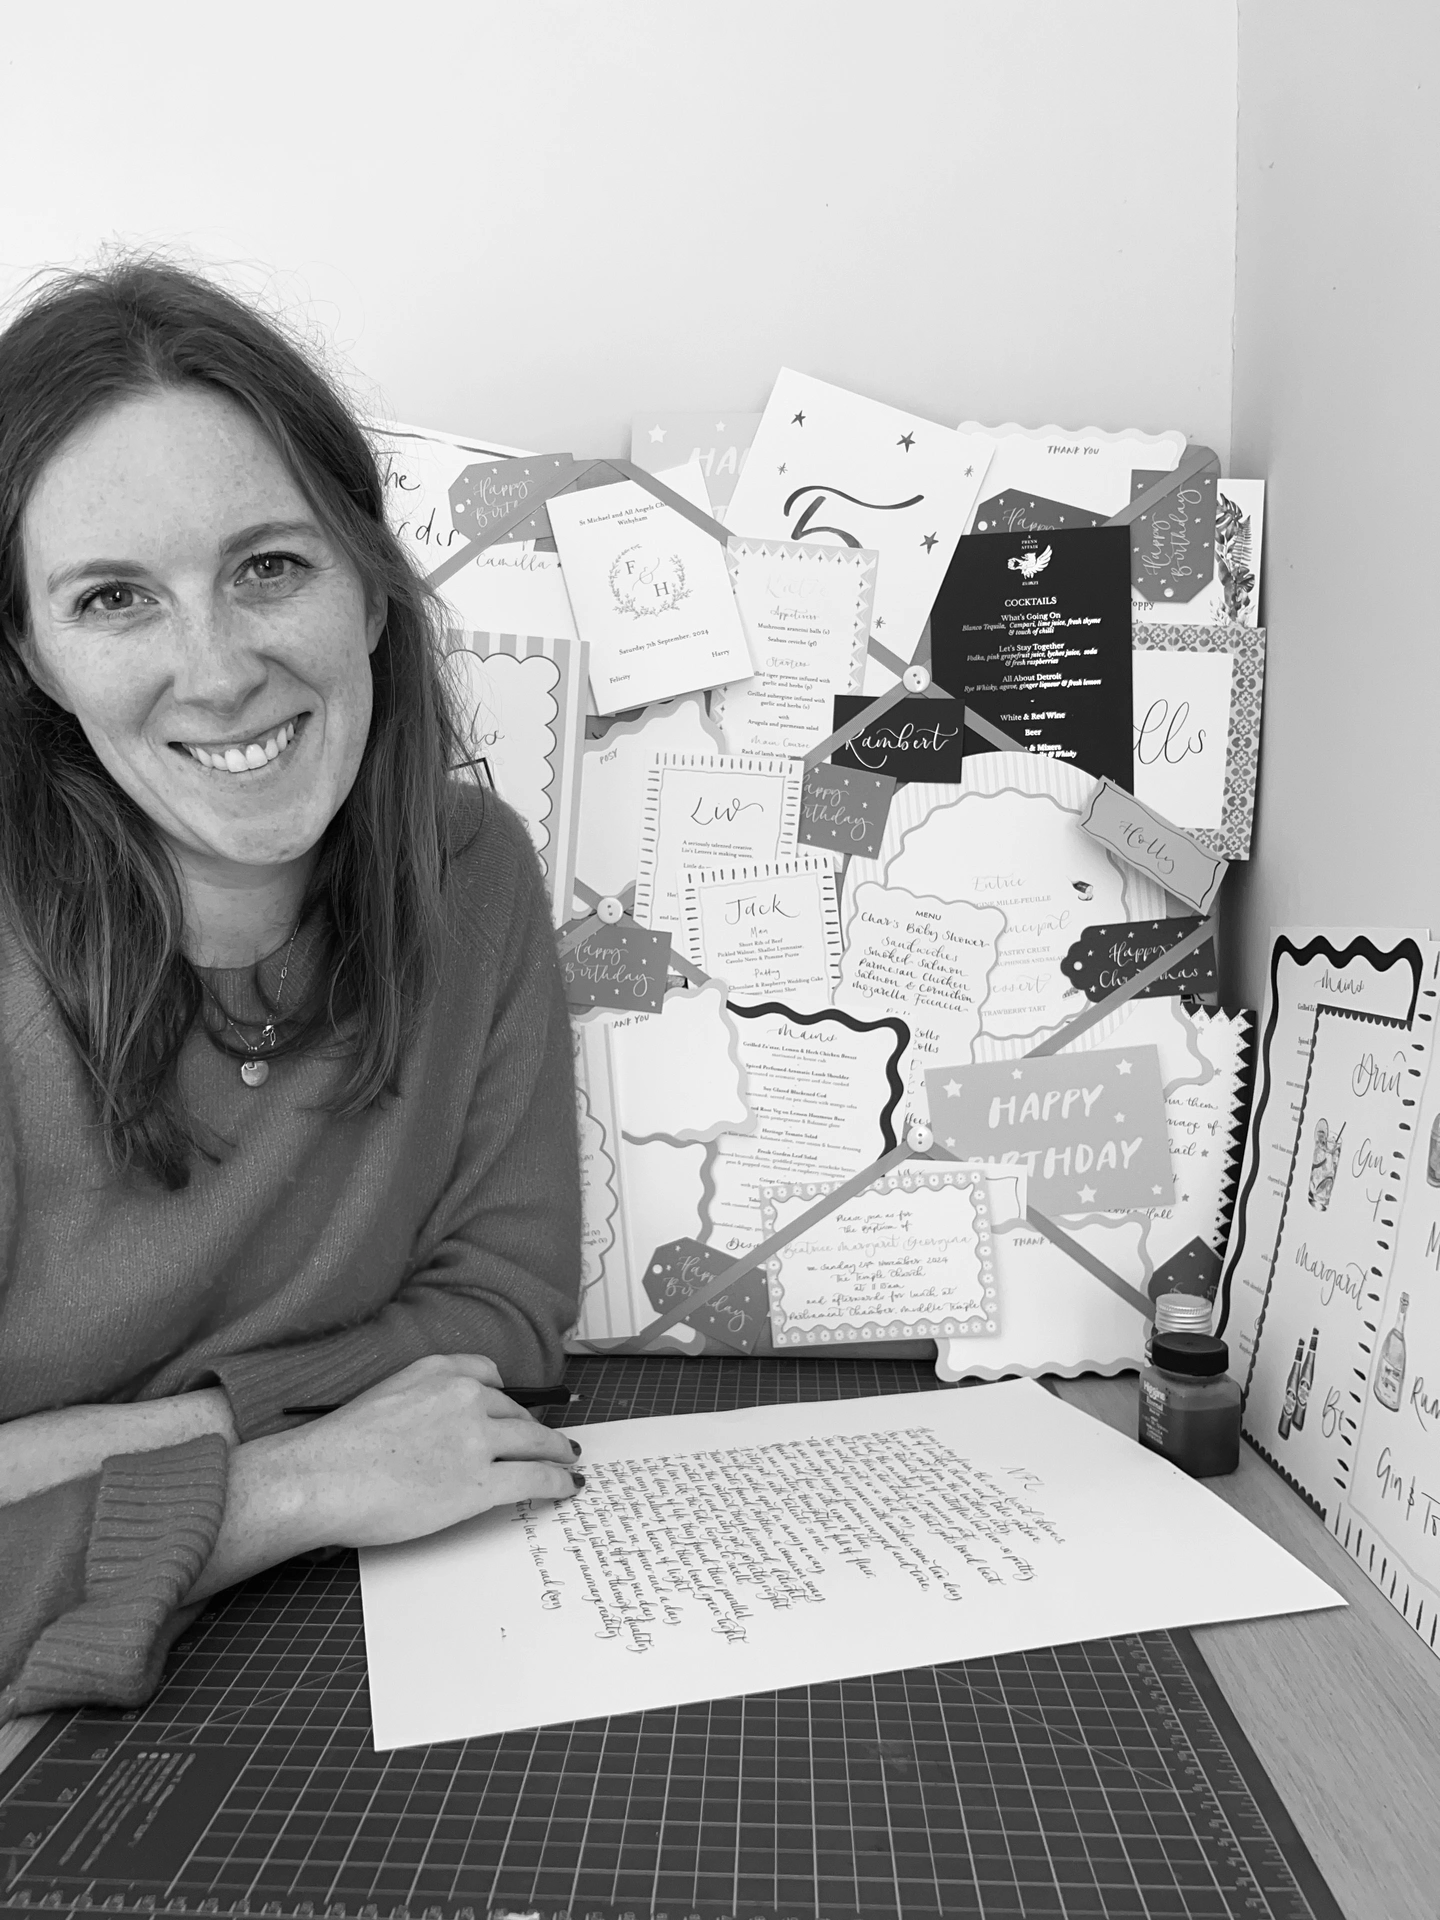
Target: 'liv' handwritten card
(709,810)
(651,595)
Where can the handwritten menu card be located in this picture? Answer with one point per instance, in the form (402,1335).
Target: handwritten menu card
(806,613)
(1033,631)
(651,595)
(771,930)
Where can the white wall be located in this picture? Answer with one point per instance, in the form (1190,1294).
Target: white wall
(530,219)
(1337,402)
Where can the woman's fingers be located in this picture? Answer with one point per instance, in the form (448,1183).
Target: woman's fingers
(521,1438)
(511,1480)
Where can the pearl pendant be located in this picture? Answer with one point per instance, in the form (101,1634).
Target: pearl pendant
(255,1072)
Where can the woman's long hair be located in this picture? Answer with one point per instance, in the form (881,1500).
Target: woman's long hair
(84,876)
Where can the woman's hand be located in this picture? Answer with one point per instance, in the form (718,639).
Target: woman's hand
(434,1444)
(42,1450)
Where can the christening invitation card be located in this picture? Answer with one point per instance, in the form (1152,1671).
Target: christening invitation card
(651,596)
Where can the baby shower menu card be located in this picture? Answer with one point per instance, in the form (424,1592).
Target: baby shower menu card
(651,595)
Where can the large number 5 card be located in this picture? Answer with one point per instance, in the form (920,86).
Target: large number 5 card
(830,465)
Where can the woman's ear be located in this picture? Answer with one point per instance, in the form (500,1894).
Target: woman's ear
(375,625)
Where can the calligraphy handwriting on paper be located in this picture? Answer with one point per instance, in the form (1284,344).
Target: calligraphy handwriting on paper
(1172,544)
(845,810)
(720,1539)
(1104,958)
(1155,845)
(622,966)
(917,739)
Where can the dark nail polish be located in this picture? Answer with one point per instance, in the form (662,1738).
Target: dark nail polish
(574,1446)
(578,1478)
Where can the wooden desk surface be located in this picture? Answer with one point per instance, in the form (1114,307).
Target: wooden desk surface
(1343,1707)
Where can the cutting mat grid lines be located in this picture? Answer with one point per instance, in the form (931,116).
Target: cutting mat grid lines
(1097,1779)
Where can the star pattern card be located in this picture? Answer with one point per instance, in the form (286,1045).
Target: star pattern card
(720,442)
(831,465)
(1089,1128)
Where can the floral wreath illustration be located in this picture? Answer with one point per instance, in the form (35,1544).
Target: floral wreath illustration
(625,594)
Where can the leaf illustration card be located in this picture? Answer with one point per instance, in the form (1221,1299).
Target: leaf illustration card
(916,739)
(522,702)
(771,930)
(710,810)
(1033,630)
(1332,1254)
(720,442)
(806,611)
(1089,1128)
(830,465)
(651,596)
(908,1258)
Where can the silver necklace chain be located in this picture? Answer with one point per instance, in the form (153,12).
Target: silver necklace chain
(255,1070)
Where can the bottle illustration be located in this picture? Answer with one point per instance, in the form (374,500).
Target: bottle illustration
(1292,1389)
(1390,1374)
(1305,1382)
(1432,1162)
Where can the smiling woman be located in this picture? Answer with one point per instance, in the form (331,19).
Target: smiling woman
(286,1112)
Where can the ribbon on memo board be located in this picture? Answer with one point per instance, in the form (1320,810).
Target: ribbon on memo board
(827,1204)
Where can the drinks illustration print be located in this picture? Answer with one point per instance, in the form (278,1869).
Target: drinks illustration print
(1390,1374)
(1305,1382)
(1292,1389)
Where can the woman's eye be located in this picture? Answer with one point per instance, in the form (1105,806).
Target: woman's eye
(113,597)
(273,569)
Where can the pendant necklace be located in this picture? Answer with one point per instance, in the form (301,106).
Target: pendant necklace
(256,1071)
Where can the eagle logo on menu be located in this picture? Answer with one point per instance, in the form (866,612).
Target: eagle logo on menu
(1029,563)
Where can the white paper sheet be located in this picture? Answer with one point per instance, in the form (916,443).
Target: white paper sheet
(772,929)
(710,810)
(717,1554)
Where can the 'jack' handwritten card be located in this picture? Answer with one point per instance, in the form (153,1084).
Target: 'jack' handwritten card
(771,930)
(651,596)
(830,465)
(1089,1128)
(909,1258)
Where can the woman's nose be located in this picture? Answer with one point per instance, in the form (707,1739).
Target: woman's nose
(215,668)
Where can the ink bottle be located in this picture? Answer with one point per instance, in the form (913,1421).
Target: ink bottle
(1178,1313)
(1189,1405)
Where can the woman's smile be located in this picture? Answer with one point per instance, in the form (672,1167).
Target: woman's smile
(255,753)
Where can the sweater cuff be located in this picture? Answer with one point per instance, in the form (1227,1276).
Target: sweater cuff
(312,1373)
(157,1516)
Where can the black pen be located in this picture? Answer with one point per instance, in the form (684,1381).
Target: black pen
(522,1396)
